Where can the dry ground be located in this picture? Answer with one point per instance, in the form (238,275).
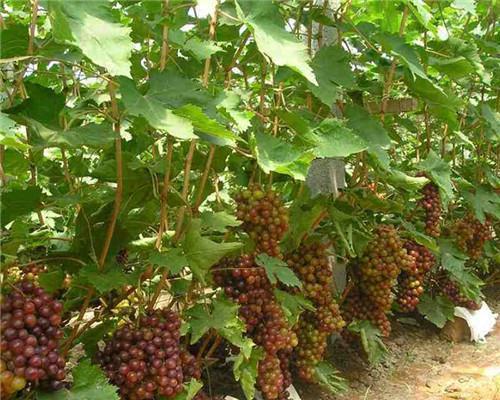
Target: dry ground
(421,365)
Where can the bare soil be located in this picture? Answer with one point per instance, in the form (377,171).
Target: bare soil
(420,365)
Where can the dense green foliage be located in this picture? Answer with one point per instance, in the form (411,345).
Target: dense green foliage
(127,128)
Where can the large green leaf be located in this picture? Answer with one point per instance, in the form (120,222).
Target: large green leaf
(18,202)
(440,173)
(89,383)
(201,252)
(277,270)
(282,47)
(332,70)
(92,27)
(92,135)
(155,111)
(245,371)
(332,139)
(437,309)
(367,128)
(14,41)
(224,319)
(293,305)
(328,377)
(371,341)
(172,260)
(276,155)
(482,202)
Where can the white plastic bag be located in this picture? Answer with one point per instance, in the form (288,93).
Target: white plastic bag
(481,322)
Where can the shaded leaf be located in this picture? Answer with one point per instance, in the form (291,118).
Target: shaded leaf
(172,260)
(245,371)
(218,221)
(370,340)
(437,310)
(293,305)
(18,202)
(328,377)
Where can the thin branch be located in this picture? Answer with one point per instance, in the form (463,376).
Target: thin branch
(211,34)
(165,48)
(235,58)
(204,178)
(3,178)
(164,193)
(185,189)
(390,77)
(119,177)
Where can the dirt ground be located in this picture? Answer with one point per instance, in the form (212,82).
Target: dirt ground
(421,365)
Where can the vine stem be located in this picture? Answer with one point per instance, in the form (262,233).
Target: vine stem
(164,194)
(3,178)
(206,75)
(185,189)
(165,48)
(392,70)
(235,58)
(119,177)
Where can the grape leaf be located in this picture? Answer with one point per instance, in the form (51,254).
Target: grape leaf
(18,202)
(201,252)
(223,318)
(332,70)
(483,202)
(91,337)
(92,27)
(218,221)
(282,47)
(155,111)
(51,281)
(437,309)
(367,128)
(440,173)
(276,155)
(111,277)
(14,41)
(277,270)
(173,260)
(370,339)
(328,377)
(245,371)
(189,392)
(89,383)
(332,139)
(293,305)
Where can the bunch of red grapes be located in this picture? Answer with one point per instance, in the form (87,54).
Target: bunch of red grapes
(431,203)
(471,235)
(30,335)
(376,273)
(145,359)
(310,263)
(411,282)
(451,290)
(265,219)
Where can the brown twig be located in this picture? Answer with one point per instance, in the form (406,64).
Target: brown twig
(214,346)
(165,48)
(119,177)
(204,178)
(204,345)
(392,70)
(185,189)
(211,34)
(164,194)
(161,284)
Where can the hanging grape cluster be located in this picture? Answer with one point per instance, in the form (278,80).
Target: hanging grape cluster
(376,273)
(431,203)
(145,360)
(471,235)
(310,263)
(411,282)
(31,331)
(451,290)
(265,219)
